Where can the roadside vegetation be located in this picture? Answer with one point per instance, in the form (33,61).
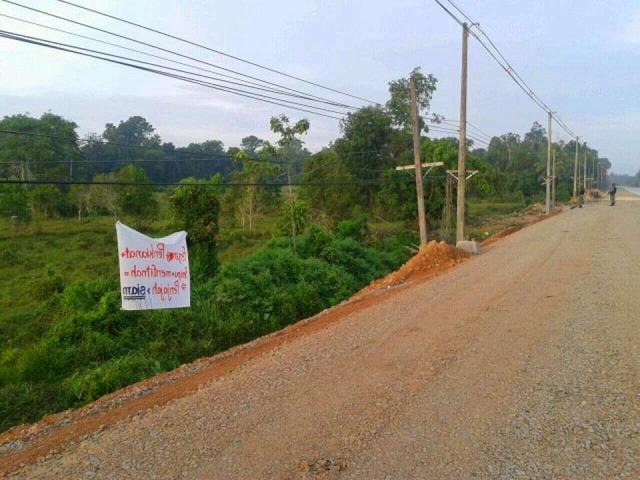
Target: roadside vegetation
(276,234)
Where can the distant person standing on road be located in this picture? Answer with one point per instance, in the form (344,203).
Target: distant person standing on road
(612,194)
(581,197)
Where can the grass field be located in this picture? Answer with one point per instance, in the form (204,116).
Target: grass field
(64,340)
(38,260)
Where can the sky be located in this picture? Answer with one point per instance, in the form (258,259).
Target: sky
(581,58)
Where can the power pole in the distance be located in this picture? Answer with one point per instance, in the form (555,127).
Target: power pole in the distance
(548,179)
(575,169)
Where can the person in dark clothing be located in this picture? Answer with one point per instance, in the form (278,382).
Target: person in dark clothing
(612,194)
(581,197)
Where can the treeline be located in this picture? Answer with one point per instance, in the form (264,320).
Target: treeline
(354,174)
(625,180)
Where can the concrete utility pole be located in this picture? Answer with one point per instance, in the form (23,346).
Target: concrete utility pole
(418,168)
(575,169)
(548,179)
(418,165)
(553,180)
(462,143)
(584,173)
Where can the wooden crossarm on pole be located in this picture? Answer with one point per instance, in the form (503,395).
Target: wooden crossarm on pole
(428,166)
(470,173)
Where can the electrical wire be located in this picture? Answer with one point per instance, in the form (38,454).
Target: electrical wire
(478,132)
(214,185)
(502,61)
(237,80)
(199,157)
(455,132)
(195,44)
(179,152)
(255,96)
(98,52)
(102,30)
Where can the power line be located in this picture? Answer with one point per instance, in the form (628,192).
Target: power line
(254,96)
(203,184)
(155,149)
(456,19)
(46,42)
(478,133)
(442,119)
(102,30)
(452,131)
(235,80)
(195,44)
(489,137)
(502,61)
(180,151)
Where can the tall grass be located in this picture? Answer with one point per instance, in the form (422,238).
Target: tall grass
(65,340)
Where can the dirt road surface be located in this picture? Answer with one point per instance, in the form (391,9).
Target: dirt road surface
(521,363)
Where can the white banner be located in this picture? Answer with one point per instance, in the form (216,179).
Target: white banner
(154,272)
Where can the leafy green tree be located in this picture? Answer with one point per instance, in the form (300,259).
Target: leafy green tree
(365,149)
(132,140)
(288,137)
(250,145)
(44,153)
(196,210)
(80,195)
(208,158)
(329,202)
(47,200)
(399,105)
(103,198)
(136,197)
(251,200)
(136,131)
(14,202)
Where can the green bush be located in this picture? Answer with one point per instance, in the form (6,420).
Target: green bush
(83,296)
(27,402)
(93,347)
(89,384)
(351,229)
(46,286)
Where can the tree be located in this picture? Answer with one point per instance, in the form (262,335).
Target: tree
(399,105)
(334,202)
(288,135)
(103,198)
(14,202)
(46,152)
(250,198)
(502,151)
(132,140)
(135,131)
(47,200)
(208,158)
(79,195)
(365,148)
(137,197)
(250,145)
(196,210)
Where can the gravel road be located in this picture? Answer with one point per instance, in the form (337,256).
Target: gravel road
(521,363)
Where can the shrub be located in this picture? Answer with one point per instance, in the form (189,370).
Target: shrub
(83,296)
(28,401)
(45,287)
(355,229)
(89,384)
